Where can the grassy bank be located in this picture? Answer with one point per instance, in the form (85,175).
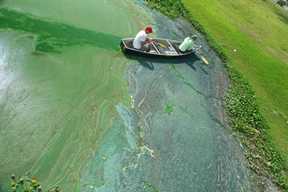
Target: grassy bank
(250,36)
(245,117)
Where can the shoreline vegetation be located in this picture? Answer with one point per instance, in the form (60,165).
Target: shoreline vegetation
(28,184)
(241,105)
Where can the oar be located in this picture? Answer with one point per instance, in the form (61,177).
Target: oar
(201,56)
(159,43)
(204,60)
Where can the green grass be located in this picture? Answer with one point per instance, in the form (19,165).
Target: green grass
(258,31)
(255,29)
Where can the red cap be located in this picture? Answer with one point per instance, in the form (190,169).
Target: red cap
(148,29)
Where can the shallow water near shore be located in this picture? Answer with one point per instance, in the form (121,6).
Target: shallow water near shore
(76,113)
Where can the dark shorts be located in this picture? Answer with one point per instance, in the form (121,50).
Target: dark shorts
(146,47)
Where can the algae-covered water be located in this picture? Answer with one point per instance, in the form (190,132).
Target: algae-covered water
(76,113)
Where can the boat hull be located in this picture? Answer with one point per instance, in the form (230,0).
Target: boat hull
(161,48)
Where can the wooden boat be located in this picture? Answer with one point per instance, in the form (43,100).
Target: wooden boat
(158,48)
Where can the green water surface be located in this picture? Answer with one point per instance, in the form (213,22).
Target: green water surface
(62,75)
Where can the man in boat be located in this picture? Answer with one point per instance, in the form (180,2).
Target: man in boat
(142,41)
(188,44)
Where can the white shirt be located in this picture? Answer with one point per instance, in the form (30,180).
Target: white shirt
(186,45)
(139,39)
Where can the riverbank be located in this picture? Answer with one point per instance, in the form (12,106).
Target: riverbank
(242,107)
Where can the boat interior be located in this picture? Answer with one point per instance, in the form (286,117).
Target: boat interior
(158,47)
